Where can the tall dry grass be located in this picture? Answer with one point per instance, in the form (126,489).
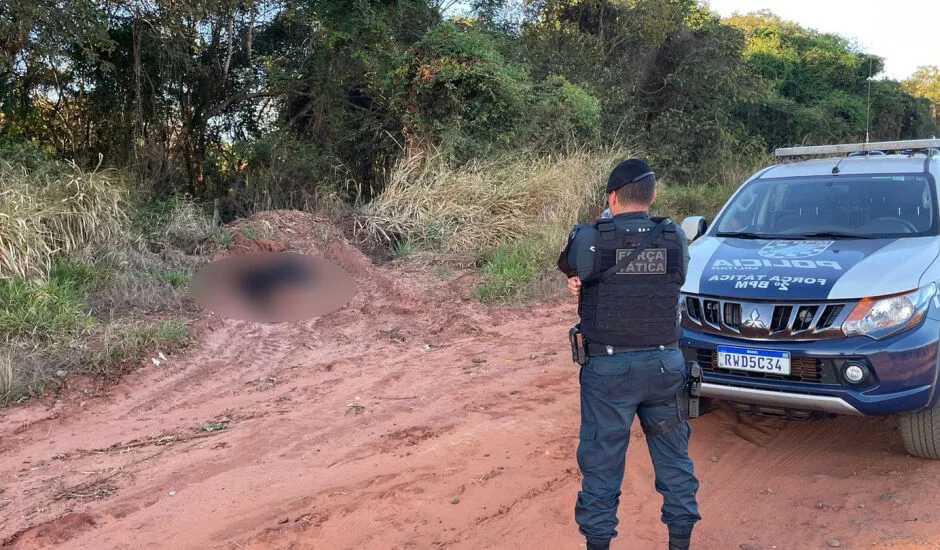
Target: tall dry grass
(679,202)
(510,215)
(7,380)
(478,207)
(45,212)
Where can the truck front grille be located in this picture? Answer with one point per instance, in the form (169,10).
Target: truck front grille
(763,320)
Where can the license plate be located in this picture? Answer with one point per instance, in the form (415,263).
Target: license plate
(754,360)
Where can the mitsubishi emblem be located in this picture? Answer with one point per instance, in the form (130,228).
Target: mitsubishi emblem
(754,322)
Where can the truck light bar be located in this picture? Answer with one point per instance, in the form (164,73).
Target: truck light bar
(857,147)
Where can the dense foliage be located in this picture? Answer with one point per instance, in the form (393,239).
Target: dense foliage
(477,130)
(279,101)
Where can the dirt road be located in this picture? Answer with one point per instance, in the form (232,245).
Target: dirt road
(414,419)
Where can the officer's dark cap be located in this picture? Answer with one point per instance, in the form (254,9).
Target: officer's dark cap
(627,172)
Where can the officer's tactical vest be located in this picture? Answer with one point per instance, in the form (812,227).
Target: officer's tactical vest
(638,305)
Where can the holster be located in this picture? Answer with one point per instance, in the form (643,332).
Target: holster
(687,403)
(578,348)
(694,389)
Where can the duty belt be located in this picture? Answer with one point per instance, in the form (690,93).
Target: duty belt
(594,349)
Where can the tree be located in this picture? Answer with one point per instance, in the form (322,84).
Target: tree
(925,83)
(331,62)
(314,97)
(455,87)
(817,87)
(39,42)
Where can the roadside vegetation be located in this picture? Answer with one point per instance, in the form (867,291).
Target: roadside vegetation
(509,216)
(92,279)
(473,134)
(506,215)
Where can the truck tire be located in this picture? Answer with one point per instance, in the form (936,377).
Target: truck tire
(921,433)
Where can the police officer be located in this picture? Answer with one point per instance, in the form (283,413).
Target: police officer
(627,270)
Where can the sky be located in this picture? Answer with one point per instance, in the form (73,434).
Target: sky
(903,32)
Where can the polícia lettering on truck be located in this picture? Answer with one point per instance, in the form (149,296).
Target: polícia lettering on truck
(754,264)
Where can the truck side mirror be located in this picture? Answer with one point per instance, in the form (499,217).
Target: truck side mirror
(694,227)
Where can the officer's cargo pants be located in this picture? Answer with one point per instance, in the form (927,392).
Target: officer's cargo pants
(614,389)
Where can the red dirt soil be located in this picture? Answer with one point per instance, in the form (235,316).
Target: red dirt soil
(414,418)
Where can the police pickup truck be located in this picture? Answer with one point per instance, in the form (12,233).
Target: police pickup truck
(816,288)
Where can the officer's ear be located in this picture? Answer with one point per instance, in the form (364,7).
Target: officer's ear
(612,200)
(655,192)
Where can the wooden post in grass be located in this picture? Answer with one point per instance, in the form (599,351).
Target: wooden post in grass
(216,215)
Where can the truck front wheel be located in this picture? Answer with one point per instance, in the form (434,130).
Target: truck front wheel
(921,433)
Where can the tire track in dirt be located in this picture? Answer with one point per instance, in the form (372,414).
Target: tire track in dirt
(165,405)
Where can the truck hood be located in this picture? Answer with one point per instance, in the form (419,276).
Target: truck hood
(791,270)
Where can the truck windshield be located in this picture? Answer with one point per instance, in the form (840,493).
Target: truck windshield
(843,206)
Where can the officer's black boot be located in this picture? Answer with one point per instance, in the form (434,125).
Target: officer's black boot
(679,542)
(594,546)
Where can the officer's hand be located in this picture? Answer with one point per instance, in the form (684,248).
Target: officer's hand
(574,286)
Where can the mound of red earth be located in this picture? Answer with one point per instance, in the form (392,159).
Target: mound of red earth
(413,418)
(290,230)
(409,282)
(400,287)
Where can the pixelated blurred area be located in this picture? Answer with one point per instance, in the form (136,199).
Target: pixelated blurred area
(272,287)
(379,292)
(280,266)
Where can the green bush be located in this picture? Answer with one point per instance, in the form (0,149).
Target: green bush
(50,310)
(513,267)
(28,154)
(279,171)
(455,88)
(560,113)
(175,279)
(692,150)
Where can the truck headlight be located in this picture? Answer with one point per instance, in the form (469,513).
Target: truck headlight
(882,317)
